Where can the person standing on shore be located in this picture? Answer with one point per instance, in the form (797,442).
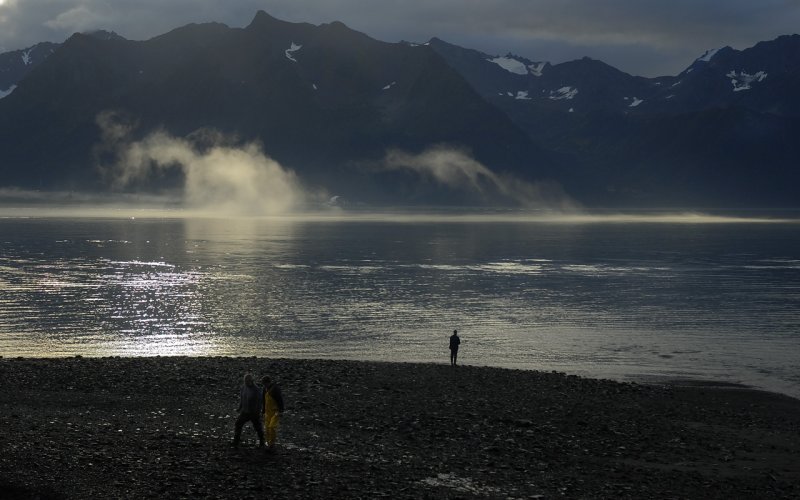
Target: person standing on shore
(272,409)
(250,408)
(455,341)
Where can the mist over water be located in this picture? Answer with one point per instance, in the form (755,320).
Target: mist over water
(221,177)
(456,169)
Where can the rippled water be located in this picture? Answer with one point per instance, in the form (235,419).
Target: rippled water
(609,299)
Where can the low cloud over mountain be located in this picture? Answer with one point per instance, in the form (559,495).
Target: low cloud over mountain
(317,105)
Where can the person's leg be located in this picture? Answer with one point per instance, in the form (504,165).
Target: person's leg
(272,429)
(455,357)
(237,433)
(256,420)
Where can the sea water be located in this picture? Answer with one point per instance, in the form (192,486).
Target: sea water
(606,297)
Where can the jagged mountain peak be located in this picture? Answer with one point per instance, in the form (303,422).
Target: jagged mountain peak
(105,35)
(783,41)
(265,22)
(93,36)
(195,30)
(438,41)
(588,62)
(709,58)
(338,25)
(708,55)
(262,18)
(509,64)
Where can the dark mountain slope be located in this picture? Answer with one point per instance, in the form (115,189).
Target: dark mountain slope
(329,102)
(321,99)
(15,65)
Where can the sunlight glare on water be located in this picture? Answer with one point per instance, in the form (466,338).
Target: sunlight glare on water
(611,299)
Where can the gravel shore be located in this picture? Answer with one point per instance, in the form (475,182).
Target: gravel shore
(162,427)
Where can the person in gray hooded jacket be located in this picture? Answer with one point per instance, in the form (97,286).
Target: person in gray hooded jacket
(250,409)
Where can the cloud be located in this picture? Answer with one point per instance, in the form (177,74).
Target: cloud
(220,177)
(457,170)
(78,19)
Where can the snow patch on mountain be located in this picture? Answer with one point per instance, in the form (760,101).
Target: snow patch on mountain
(26,57)
(742,81)
(563,93)
(292,49)
(511,65)
(708,55)
(390,86)
(522,95)
(7,92)
(635,102)
(536,69)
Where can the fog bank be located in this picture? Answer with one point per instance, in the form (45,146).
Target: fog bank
(456,169)
(220,176)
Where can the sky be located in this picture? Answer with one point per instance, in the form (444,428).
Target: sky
(641,37)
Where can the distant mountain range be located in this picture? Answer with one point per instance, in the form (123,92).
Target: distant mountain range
(722,132)
(330,102)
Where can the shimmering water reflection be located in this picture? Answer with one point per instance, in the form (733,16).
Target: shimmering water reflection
(718,301)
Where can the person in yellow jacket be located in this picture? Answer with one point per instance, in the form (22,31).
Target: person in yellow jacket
(273,407)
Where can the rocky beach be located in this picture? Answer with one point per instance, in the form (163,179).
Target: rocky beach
(162,428)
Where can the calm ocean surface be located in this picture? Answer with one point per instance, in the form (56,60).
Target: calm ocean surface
(718,301)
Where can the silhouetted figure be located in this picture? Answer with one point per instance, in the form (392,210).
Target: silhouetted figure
(273,407)
(455,341)
(250,408)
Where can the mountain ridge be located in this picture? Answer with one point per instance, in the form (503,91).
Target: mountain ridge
(327,100)
(324,100)
(627,138)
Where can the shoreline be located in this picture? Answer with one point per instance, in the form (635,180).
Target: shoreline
(161,426)
(647,379)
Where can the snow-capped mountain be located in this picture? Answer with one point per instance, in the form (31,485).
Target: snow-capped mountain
(329,102)
(758,78)
(763,78)
(730,114)
(512,81)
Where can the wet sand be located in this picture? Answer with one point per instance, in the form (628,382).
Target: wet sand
(161,428)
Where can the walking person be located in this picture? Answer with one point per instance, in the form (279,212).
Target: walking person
(250,409)
(272,409)
(455,341)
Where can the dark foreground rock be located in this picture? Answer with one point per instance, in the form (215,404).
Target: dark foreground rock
(161,428)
